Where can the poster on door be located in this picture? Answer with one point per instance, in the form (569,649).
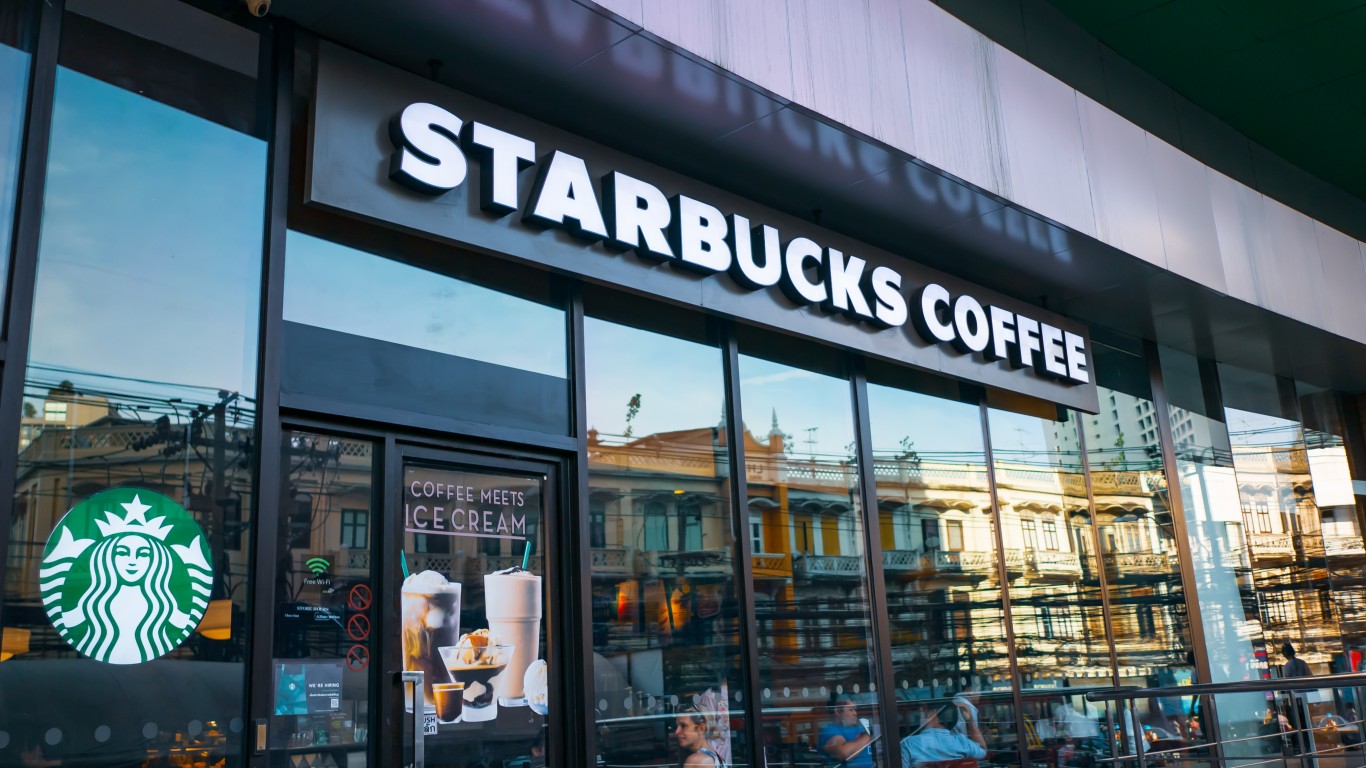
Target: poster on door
(473,602)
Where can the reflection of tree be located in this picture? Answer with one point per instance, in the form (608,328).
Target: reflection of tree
(632,410)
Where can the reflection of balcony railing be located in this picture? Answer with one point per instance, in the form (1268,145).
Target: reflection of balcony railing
(1343,546)
(1143,563)
(900,560)
(1047,563)
(828,565)
(967,563)
(770,565)
(611,560)
(1271,546)
(700,562)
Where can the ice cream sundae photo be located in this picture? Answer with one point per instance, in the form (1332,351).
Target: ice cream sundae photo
(475,660)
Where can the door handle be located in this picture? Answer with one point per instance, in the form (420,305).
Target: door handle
(416,678)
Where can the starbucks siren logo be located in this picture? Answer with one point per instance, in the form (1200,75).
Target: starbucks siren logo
(126,576)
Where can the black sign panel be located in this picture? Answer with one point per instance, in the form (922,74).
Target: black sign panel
(393,148)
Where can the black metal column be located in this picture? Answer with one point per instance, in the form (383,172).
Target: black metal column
(23,272)
(276,68)
(877,584)
(744,570)
(1017,700)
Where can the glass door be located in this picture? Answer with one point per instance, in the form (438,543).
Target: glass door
(468,555)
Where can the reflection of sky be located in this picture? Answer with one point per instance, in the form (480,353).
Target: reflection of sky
(1017,438)
(331,286)
(150,262)
(680,383)
(810,407)
(13,79)
(1247,429)
(941,430)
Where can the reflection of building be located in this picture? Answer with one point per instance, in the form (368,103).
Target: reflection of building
(81,445)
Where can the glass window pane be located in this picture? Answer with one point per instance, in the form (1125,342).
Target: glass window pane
(667,664)
(128,569)
(1055,600)
(1138,543)
(943,588)
(343,289)
(371,330)
(324,636)
(817,669)
(1218,536)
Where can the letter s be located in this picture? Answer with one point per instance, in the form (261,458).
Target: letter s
(428,159)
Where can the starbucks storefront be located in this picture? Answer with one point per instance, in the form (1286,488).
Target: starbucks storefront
(363,421)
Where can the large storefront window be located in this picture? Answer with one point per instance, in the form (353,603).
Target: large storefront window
(1061,644)
(813,620)
(666,663)
(1218,541)
(324,597)
(950,663)
(1138,542)
(128,562)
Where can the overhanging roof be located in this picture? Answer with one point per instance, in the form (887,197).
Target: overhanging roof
(581,68)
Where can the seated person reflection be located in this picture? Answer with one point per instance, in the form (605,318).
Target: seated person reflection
(846,738)
(937,742)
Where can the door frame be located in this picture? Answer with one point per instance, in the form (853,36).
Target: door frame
(564,548)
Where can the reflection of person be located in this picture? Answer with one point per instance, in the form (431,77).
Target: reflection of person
(129,603)
(966,702)
(846,738)
(936,740)
(694,738)
(1294,666)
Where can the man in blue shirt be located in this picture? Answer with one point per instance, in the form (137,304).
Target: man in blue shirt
(936,741)
(846,738)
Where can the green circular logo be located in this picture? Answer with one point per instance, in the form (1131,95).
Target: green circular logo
(126,576)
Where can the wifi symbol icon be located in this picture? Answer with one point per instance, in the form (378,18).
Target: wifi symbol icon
(317,565)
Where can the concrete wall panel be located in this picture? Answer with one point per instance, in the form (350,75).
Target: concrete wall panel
(1343,274)
(1189,235)
(951,70)
(1043,143)
(1230,201)
(1121,182)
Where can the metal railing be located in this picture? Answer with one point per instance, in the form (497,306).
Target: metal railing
(1288,722)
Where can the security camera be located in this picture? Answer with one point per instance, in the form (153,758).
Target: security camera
(258,8)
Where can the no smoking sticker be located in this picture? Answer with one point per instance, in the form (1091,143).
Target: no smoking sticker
(360,597)
(357,658)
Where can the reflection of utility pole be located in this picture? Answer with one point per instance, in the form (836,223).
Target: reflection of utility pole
(811,441)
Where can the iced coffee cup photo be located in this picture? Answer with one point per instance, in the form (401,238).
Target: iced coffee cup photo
(512,600)
(431,620)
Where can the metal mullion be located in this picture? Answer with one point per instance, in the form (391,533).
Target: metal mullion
(577,598)
(1209,722)
(277,64)
(1017,700)
(744,570)
(1106,615)
(388,654)
(872,534)
(28,220)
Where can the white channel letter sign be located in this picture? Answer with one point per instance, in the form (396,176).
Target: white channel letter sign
(431,145)
(125,577)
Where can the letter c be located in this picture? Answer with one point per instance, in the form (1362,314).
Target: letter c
(926,318)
